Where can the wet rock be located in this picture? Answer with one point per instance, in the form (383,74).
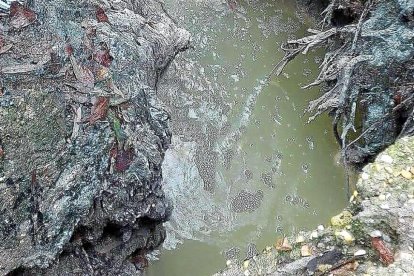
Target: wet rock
(70,205)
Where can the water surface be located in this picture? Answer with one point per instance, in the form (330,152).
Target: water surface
(244,166)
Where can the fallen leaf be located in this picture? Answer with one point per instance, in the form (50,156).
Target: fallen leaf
(346,269)
(101,15)
(1,151)
(385,254)
(102,55)
(82,73)
(99,110)
(123,159)
(101,73)
(21,16)
(68,49)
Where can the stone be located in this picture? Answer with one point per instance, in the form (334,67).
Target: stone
(365,176)
(346,236)
(386,159)
(321,228)
(406,174)
(360,252)
(305,251)
(389,170)
(375,234)
(300,239)
(314,235)
(382,197)
(246,264)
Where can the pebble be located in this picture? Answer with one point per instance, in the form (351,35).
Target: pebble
(365,176)
(386,159)
(305,251)
(228,263)
(360,252)
(321,228)
(300,239)
(406,174)
(246,273)
(346,235)
(314,235)
(385,206)
(389,170)
(246,264)
(382,197)
(375,234)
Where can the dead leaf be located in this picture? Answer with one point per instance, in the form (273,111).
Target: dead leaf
(123,159)
(1,152)
(68,49)
(82,73)
(283,245)
(25,68)
(346,269)
(385,254)
(102,55)
(101,15)
(101,73)
(4,49)
(99,110)
(21,16)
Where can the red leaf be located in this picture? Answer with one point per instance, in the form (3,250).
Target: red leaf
(386,256)
(68,49)
(123,160)
(99,110)
(101,15)
(21,16)
(102,55)
(82,73)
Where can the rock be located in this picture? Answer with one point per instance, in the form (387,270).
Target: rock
(360,252)
(321,228)
(300,239)
(365,176)
(342,219)
(305,251)
(283,245)
(346,236)
(246,264)
(375,234)
(406,174)
(386,159)
(65,194)
(382,197)
(314,235)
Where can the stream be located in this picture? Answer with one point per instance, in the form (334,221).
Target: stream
(244,166)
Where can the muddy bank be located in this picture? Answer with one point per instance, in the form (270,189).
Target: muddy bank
(373,236)
(83,135)
(368,83)
(367,75)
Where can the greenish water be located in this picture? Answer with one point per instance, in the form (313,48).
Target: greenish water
(244,167)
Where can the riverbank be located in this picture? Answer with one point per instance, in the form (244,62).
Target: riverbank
(373,236)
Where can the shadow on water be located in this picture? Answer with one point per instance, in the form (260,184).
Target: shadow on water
(244,167)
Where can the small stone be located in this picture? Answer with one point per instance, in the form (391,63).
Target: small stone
(246,264)
(365,176)
(375,234)
(382,197)
(346,236)
(268,248)
(378,167)
(360,252)
(389,170)
(406,174)
(305,251)
(385,206)
(300,239)
(246,273)
(386,159)
(228,263)
(314,235)
(321,228)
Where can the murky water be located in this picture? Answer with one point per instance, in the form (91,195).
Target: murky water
(244,166)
